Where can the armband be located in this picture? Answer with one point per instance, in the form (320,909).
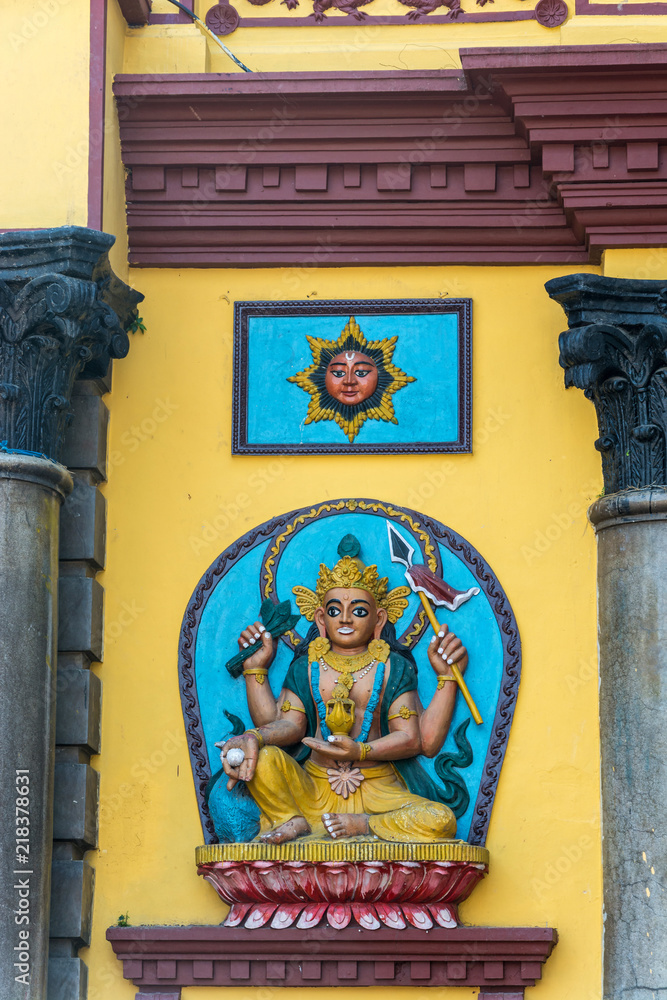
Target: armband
(403,713)
(287,706)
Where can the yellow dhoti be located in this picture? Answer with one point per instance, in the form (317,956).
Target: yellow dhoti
(283,789)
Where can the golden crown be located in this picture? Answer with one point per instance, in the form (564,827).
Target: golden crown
(350,572)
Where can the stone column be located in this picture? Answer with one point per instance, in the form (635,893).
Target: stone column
(616,351)
(62,314)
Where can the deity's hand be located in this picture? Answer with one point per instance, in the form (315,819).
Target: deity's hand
(445,649)
(336,747)
(245,771)
(256,635)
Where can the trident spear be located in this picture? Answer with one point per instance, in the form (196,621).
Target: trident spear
(431,588)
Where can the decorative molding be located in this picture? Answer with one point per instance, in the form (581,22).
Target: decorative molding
(524,156)
(63,313)
(616,351)
(549,13)
(500,960)
(589,7)
(96,110)
(178,17)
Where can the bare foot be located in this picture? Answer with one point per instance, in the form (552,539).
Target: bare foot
(345,824)
(293,828)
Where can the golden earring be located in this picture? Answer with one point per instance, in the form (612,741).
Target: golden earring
(318,648)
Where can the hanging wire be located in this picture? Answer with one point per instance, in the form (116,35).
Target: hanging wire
(205,27)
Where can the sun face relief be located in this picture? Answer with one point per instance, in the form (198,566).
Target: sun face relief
(351,380)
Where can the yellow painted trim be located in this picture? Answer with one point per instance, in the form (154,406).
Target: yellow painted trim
(353,851)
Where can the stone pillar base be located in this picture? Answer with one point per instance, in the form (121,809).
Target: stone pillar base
(31,490)
(632,598)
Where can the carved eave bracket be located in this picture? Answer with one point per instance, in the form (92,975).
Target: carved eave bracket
(616,351)
(136,12)
(63,314)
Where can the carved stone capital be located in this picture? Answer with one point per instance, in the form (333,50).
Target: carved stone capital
(63,314)
(616,351)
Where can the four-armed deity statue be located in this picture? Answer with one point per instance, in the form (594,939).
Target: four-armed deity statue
(335,755)
(353,786)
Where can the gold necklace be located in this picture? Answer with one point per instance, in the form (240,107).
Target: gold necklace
(346,678)
(348,664)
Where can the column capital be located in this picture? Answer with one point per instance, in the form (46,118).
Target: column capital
(616,351)
(63,314)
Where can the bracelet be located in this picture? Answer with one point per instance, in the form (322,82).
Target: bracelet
(364,750)
(403,713)
(287,706)
(258,736)
(442,680)
(259,674)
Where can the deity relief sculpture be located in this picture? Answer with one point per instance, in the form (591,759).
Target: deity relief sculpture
(351,380)
(335,755)
(354,785)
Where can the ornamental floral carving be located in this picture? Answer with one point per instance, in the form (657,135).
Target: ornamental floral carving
(223,18)
(551,13)
(370,894)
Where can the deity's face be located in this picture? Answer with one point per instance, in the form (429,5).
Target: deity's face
(351,378)
(350,618)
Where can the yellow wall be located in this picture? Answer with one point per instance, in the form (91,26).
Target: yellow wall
(44,69)
(520,499)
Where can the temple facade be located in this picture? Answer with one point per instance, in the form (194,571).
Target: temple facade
(206,209)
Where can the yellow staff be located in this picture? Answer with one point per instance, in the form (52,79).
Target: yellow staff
(474,711)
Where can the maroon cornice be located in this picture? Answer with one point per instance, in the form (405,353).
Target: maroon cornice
(529,59)
(545,155)
(500,960)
